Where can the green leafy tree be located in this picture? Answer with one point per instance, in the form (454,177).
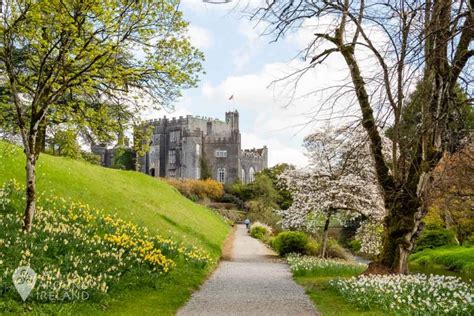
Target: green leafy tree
(64,143)
(123,159)
(141,142)
(284,199)
(89,63)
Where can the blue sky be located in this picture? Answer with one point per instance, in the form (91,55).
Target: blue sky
(242,63)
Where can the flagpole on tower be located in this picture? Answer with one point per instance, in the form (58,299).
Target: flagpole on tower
(231,98)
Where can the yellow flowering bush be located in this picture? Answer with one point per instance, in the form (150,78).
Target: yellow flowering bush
(73,247)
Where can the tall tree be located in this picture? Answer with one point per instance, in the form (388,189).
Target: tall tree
(408,41)
(338,184)
(78,60)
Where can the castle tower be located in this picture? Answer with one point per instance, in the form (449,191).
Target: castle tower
(232,117)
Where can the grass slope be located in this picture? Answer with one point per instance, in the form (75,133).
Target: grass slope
(457,259)
(133,197)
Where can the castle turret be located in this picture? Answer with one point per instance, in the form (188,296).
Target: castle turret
(232,117)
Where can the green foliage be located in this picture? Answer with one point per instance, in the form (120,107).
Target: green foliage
(141,142)
(290,242)
(259,211)
(123,158)
(64,143)
(258,232)
(454,258)
(198,189)
(334,250)
(205,171)
(93,55)
(91,157)
(460,123)
(355,245)
(433,238)
(283,197)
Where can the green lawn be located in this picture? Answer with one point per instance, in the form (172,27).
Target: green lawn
(133,197)
(453,260)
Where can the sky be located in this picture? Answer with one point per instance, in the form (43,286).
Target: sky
(243,63)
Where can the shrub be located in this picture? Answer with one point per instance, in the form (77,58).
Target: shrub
(91,158)
(290,242)
(355,245)
(334,250)
(230,198)
(469,241)
(312,247)
(433,238)
(198,189)
(260,231)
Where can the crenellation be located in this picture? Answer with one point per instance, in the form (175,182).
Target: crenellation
(181,145)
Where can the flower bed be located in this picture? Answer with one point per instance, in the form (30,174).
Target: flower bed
(75,248)
(313,266)
(416,294)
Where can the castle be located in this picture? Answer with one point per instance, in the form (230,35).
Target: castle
(191,147)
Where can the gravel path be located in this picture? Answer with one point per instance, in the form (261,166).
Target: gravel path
(254,282)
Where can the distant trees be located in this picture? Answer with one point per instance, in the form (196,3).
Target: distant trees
(406,42)
(88,64)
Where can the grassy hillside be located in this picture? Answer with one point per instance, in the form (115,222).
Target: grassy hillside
(134,197)
(456,259)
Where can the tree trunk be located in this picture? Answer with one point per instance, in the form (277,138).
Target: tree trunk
(325,236)
(401,228)
(30,192)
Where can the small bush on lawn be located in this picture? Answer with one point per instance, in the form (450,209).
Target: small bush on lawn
(290,242)
(355,245)
(313,266)
(433,238)
(260,231)
(312,247)
(416,294)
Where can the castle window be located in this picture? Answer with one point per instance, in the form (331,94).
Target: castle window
(243,176)
(221,153)
(198,150)
(251,174)
(172,173)
(174,136)
(172,156)
(221,175)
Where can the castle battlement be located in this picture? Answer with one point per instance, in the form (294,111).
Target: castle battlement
(255,152)
(180,146)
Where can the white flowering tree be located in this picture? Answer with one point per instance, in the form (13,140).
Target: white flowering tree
(339,183)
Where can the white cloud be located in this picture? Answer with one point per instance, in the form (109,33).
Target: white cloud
(278,151)
(200,37)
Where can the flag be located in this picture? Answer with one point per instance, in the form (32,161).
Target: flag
(231,97)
